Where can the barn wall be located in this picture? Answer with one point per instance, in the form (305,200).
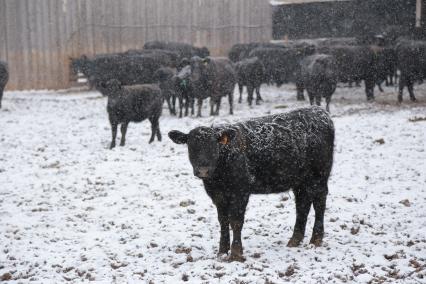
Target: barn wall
(343,18)
(37,37)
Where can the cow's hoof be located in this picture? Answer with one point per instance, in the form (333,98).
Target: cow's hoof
(236,257)
(294,242)
(112,146)
(151,140)
(414,100)
(316,241)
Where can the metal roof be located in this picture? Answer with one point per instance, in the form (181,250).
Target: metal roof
(287,2)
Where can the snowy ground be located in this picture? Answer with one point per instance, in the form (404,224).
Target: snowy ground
(73,210)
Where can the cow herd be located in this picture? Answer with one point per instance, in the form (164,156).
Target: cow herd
(270,154)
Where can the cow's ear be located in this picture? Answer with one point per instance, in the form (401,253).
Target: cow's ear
(178,137)
(226,136)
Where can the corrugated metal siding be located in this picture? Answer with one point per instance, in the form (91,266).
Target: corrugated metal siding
(37,37)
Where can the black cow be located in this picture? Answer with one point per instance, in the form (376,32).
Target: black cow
(241,51)
(129,69)
(164,76)
(357,63)
(210,77)
(165,58)
(183,88)
(132,104)
(4,78)
(270,154)
(411,61)
(183,49)
(318,74)
(250,73)
(281,64)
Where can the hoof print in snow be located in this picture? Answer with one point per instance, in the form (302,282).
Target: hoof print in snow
(405,202)
(118,265)
(354,230)
(380,141)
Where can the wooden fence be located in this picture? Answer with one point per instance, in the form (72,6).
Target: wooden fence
(37,37)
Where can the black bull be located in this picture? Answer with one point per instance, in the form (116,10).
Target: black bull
(270,154)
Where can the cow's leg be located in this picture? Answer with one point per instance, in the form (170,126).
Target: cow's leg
(199,104)
(114,126)
(174,104)
(157,123)
(318,99)
(311,98)
(180,107)
(240,88)
(218,101)
(319,203)
(123,133)
(250,91)
(327,101)
(223,216)
(154,125)
(1,94)
(231,102)
(402,83)
(236,216)
(169,105)
(186,106)
(192,102)
(411,91)
(212,103)
(303,205)
(300,88)
(258,96)
(369,89)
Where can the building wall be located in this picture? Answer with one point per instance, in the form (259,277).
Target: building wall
(37,37)
(343,18)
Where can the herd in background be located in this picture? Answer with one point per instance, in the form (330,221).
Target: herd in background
(136,82)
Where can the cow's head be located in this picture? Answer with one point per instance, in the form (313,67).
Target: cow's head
(206,146)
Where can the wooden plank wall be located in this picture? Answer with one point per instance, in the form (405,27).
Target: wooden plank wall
(37,37)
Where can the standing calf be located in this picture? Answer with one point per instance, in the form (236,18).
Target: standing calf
(132,104)
(4,77)
(270,154)
(318,74)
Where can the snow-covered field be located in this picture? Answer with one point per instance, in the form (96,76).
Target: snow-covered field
(71,210)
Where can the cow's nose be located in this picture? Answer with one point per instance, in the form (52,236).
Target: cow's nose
(201,172)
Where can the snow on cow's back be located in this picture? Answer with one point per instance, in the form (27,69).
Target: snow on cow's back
(299,128)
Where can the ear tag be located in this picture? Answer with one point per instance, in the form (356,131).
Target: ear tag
(224,140)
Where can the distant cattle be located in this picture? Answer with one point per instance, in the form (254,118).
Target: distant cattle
(272,154)
(165,58)
(281,64)
(164,77)
(356,63)
(211,77)
(132,104)
(4,78)
(184,50)
(128,69)
(411,61)
(241,51)
(250,73)
(318,75)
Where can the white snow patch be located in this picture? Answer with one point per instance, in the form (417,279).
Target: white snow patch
(70,209)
